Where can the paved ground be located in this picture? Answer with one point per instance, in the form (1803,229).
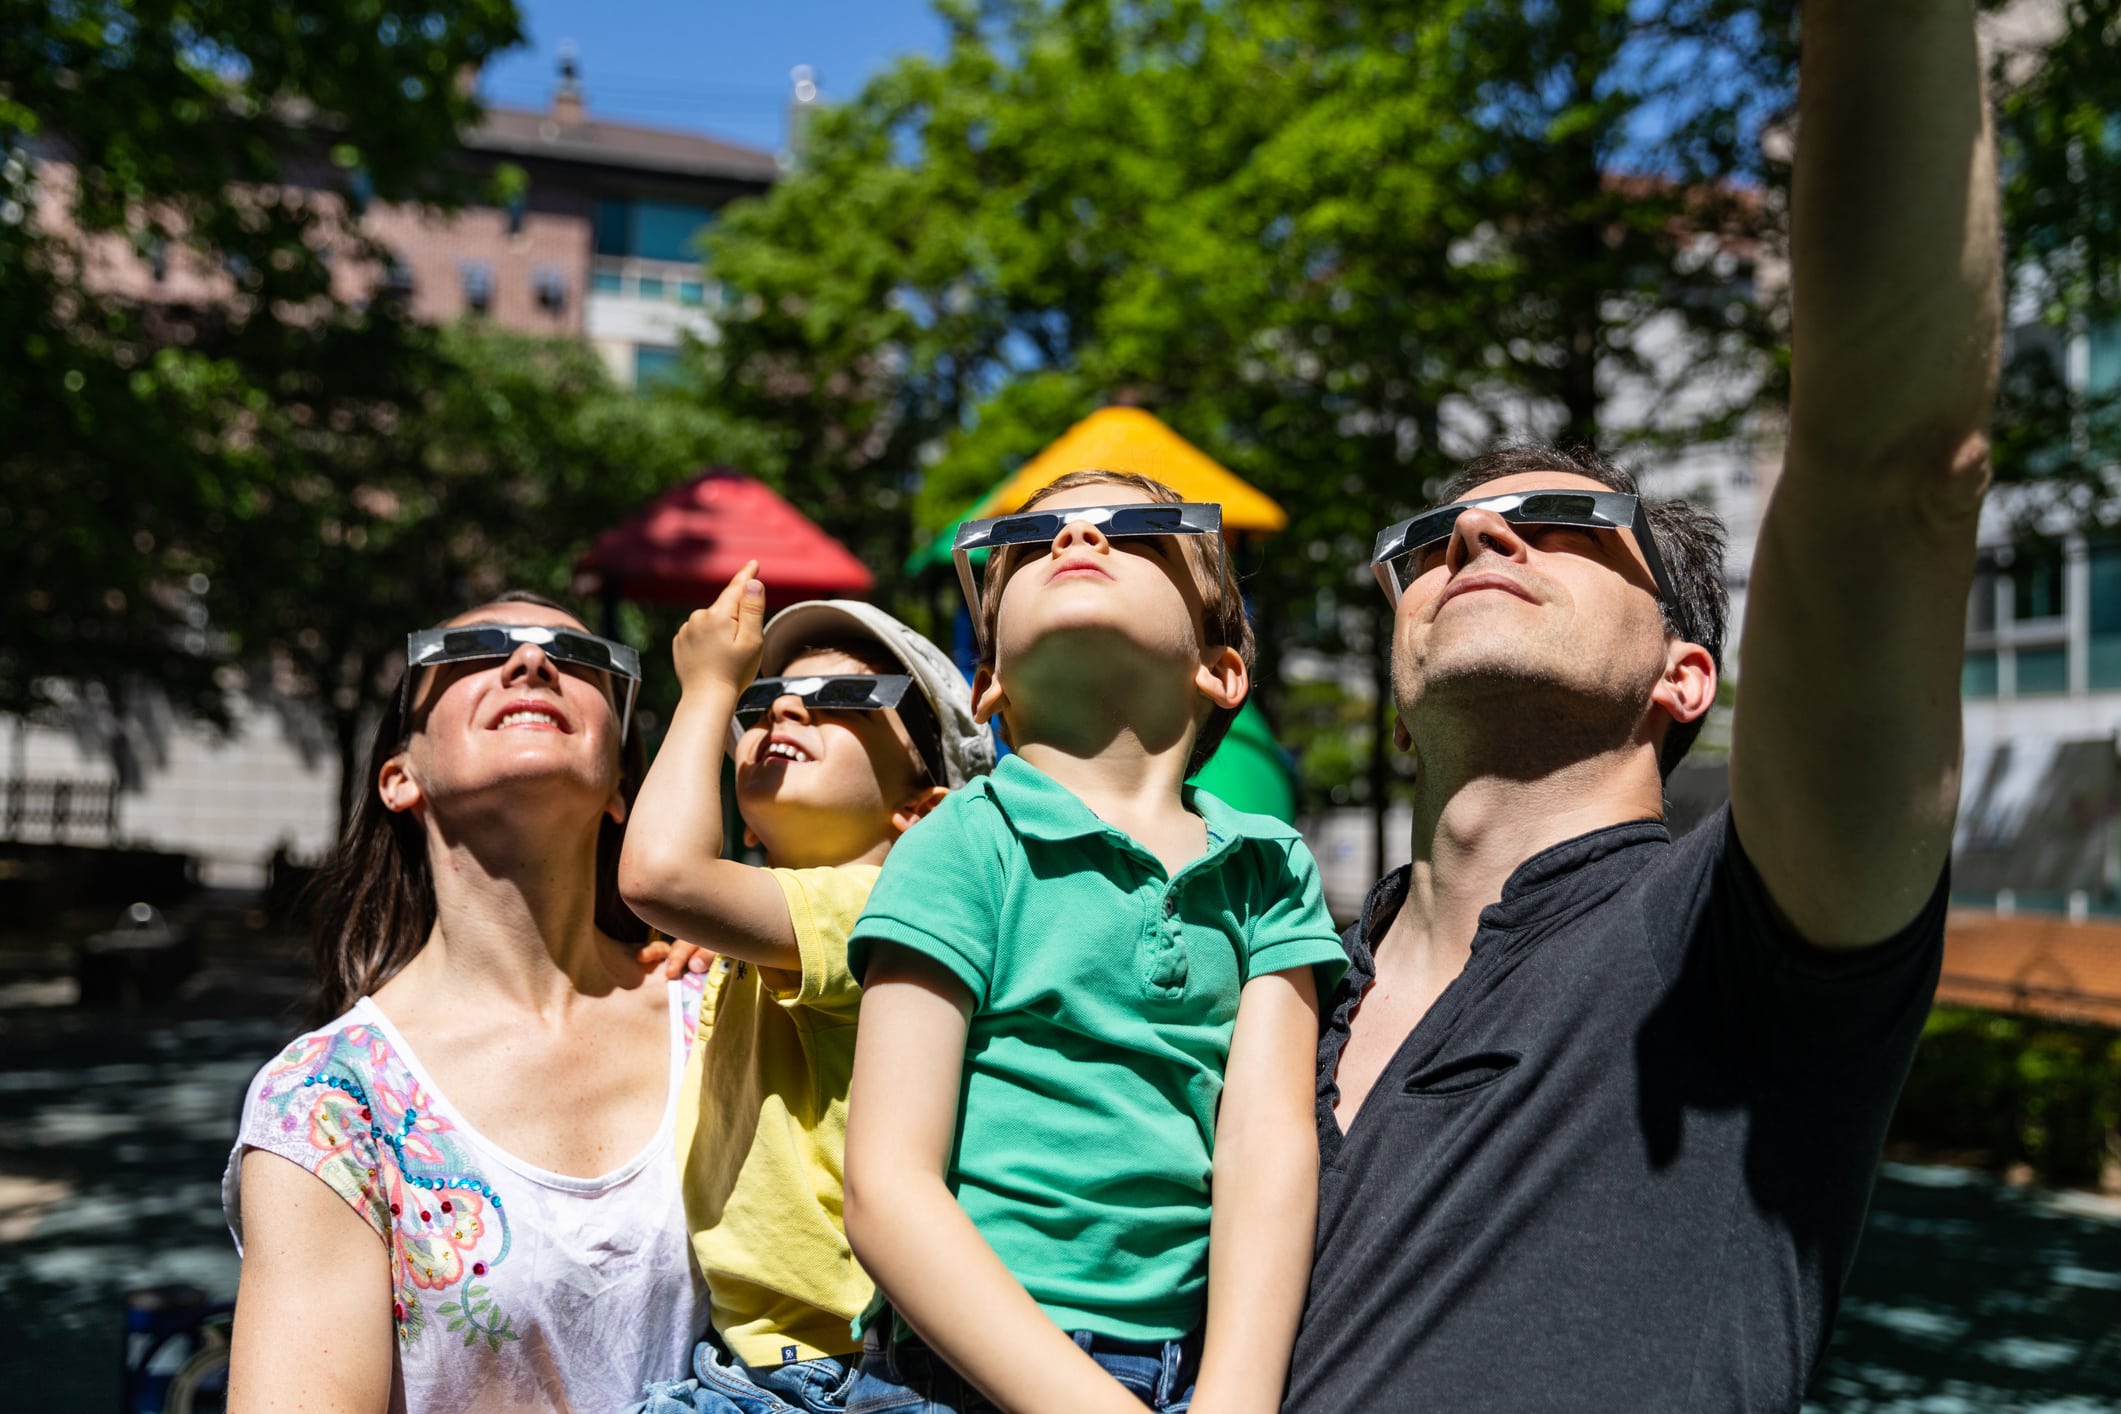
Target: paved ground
(1969,1297)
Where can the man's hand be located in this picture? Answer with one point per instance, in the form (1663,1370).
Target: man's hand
(720,644)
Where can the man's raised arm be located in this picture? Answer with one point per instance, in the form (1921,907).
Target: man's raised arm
(1845,762)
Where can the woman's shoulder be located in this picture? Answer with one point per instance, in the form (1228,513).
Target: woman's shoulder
(352,1051)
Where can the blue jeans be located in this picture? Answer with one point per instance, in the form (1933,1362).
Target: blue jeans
(906,1377)
(723,1384)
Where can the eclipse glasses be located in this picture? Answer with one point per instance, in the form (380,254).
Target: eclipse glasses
(1127,522)
(571,648)
(1404,550)
(852,692)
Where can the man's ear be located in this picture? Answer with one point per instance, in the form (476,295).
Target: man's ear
(914,806)
(1222,678)
(1401,737)
(988,695)
(1688,688)
(396,787)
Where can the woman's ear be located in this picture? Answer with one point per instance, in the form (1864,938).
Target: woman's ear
(1222,678)
(396,788)
(913,807)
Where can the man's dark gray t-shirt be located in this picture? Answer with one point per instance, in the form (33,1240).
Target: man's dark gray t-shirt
(1622,1162)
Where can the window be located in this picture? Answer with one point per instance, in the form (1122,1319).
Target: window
(649,287)
(2043,671)
(2036,582)
(2104,667)
(1977,678)
(651,230)
(654,364)
(477,277)
(549,284)
(2018,621)
(606,282)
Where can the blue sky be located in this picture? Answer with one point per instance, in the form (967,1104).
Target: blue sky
(714,66)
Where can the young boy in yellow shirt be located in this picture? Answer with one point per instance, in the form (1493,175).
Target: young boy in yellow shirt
(857,730)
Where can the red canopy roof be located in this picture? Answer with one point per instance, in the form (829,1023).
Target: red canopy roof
(684,545)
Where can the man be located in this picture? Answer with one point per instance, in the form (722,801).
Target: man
(1599,1112)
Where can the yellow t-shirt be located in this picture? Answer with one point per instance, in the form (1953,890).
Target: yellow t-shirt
(762,1134)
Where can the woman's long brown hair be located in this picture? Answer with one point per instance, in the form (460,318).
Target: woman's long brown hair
(374,900)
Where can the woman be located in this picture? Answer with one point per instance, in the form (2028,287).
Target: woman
(457,1194)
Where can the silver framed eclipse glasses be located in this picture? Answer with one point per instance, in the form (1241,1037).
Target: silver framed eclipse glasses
(1403,550)
(1131,521)
(432,647)
(843,692)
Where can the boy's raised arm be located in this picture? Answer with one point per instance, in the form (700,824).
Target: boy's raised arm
(671,871)
(906,1227)
(1266,1195)
(1844,767)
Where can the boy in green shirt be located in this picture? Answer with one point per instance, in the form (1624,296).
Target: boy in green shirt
(1087,987)
(856,731)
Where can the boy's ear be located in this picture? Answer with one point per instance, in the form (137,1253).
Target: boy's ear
(987,694)
(396,787)
(751,839)
(914,806)
(1222,678)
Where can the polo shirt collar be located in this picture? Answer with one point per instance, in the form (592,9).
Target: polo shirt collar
(1041,808)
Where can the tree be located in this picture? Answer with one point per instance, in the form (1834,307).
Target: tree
(2059,438)
(226,146)
(496,476)
(1336,245)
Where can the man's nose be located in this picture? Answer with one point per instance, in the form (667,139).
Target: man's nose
(1479,531)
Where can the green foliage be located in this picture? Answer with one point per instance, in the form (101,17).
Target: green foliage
(2010,1089)
(2060,149)
(138,429)
(494,476)
(1333,245)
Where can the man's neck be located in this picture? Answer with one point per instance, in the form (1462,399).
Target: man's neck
(1472,833)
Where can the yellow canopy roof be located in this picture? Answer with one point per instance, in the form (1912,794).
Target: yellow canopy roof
(1130,439)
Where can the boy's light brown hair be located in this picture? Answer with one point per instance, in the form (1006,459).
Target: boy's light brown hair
(1223,621)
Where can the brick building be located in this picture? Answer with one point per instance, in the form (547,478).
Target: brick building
(603,242)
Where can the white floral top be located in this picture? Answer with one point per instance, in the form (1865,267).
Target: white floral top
(515,1288)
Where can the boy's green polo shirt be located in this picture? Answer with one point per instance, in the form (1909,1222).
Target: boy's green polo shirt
(1104,996)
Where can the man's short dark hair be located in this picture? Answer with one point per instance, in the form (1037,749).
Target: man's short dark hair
(1690,540)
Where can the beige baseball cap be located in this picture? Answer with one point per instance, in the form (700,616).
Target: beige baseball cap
(966,748)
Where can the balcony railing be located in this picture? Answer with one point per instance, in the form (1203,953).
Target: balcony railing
(661,281)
